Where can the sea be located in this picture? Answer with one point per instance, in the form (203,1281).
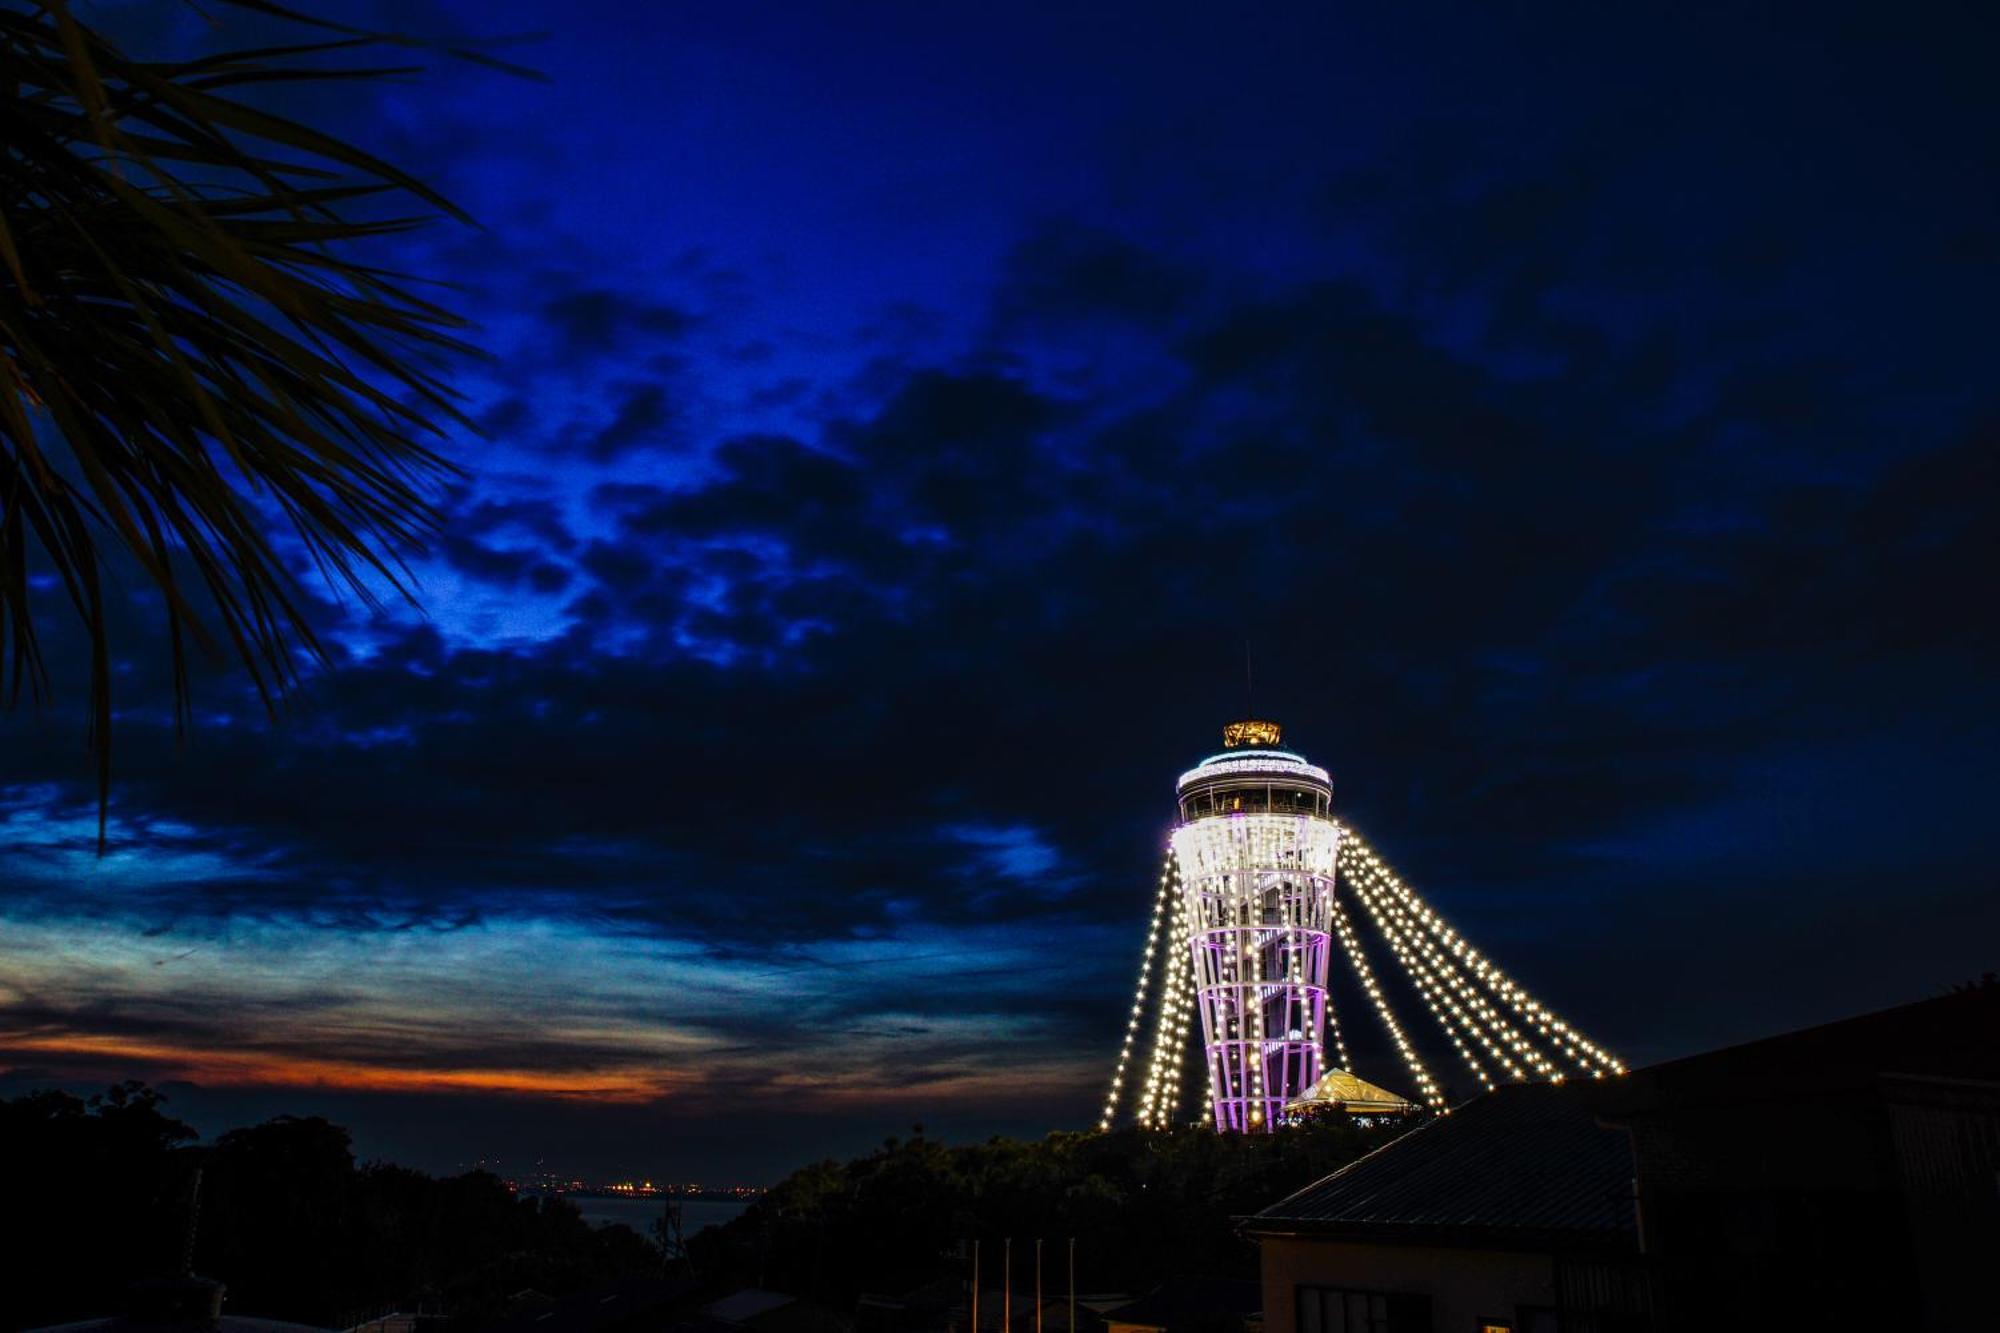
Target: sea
(640,1214)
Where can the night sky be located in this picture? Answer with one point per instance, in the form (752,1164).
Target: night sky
(900,418)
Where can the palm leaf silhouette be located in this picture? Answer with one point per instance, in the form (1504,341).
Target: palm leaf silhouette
(191,360)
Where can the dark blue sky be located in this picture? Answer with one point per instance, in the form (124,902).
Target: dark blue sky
(900,417)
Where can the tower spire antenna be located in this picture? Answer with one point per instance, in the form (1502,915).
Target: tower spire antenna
(1249,682)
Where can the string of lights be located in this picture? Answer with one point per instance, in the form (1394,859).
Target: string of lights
(1463,1000)
(1427,965)
(1253,1029)
(1139,992)
(1183,970)
(1333,1015)
(1209,1056)
(1476,1004)
(1339,1040)
(1256,884)
(1156,1108)
(1352,944)
(1566,1039)
(1163,1027)
(1450,1014)
(1247,928)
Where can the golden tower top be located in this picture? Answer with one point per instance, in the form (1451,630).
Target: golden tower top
(1251,732)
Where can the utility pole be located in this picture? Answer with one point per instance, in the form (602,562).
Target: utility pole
(975,1285)
(1007,1286)
(1038,1284)
(1072,1286)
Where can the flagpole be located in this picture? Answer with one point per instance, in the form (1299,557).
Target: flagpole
(1038,1284)
(1072,1286)
(1007,1286)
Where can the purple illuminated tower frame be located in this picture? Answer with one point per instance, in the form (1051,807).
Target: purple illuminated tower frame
(1255,850)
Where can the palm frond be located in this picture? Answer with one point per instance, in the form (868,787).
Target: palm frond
(188,361)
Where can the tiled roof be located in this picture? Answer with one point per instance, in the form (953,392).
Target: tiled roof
(1524,1164)
(610,1305)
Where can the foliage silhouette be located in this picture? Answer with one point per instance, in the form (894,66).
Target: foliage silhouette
(1142,1205)
(193,357)
(287,1220)
(298,1230)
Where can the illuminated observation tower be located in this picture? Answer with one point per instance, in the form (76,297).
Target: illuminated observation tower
(1256,848)
(1247,922)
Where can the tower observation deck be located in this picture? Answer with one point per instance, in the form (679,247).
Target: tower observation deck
(1247,925)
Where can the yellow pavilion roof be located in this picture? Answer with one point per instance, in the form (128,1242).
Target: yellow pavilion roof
(1337,1087)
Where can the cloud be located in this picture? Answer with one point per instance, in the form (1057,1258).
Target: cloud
(645,417)
(809,655)
(591,320)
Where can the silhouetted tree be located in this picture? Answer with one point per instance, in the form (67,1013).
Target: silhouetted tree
(1143,1206)
(96,1194)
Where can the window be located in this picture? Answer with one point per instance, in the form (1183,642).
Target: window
(1344,1310)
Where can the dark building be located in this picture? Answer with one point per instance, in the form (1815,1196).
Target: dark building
(1846,1176)
(1843,1176)
(1191,1305)
(923,1309)
(622,1305)
(1461,1224)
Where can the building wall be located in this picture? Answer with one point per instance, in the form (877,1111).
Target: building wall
(1871,1207)
(1947,1143)
(1783,1210)
(1464,1285)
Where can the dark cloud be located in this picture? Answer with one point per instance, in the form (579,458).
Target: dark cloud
(594,320)
(538,519)
(1065,274)
(1622,559)
(645,416)
(1498,587)
(772,486)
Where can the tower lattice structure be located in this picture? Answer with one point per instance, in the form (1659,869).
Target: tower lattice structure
(1251,915)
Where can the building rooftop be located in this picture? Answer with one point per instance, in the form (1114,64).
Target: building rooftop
(618,1303)
(1349,1092)
(1540,1164)
(1524,1164)
(1954,1036)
